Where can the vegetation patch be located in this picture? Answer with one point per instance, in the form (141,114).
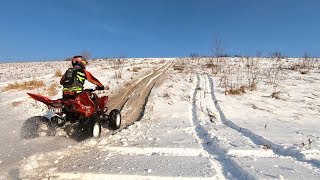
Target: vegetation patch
(304,71)
(27,85)
(178,67)
(16,103)
(58,73)
(52,89)
(237,91)
(210,65)
(136,69)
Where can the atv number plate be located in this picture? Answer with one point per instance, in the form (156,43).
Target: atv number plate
(55,110)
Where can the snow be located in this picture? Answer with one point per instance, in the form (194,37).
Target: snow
(190,129)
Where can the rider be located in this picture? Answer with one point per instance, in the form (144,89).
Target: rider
(74,78)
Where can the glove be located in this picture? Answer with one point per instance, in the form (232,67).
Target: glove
(100,88)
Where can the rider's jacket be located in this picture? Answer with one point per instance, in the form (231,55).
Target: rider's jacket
(74,78)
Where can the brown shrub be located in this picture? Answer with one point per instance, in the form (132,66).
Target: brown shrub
(253,87)
(52,89)
(275,95)
(304,71)
(210,65)
(266,146)
(136,69)
(237,91)
(178,68)
(294,67)
(58,73)
(27,85)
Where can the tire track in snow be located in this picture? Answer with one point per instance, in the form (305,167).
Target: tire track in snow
(119,100)
(259,140)
(133,107)
(209,144)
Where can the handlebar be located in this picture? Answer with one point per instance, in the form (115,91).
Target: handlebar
(89,90)
(97,89)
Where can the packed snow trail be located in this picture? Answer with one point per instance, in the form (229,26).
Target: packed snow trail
(239,147)
(133,108)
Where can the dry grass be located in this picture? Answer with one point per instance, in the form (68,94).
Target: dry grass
(294,67)
(58,73)
(178,67)
(275,95)
(52,89)
(136,69)
(27,85)
(253,87)
(210,65)
(266,146)
(16,103)
(166,95)
(118,65)
(237,91)
(304,71)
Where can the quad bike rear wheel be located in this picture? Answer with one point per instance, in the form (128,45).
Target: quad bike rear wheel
(115,119)
(90,127)
(37,126)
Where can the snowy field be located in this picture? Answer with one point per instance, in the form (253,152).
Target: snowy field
(190,128)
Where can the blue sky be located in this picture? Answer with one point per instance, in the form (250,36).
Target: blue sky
(56,29)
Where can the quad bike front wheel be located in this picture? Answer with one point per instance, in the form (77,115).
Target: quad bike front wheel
(115,119)
(37,126)
(94,127)
(96,130)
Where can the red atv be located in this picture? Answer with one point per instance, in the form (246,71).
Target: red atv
(85,115)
